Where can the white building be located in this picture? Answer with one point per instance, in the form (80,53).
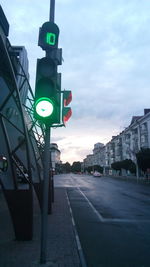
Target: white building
(130,141)
(55,155)
(88,161)
(99,154)
(97,158)
(123,146)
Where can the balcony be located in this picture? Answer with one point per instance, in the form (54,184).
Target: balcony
(127,140)
(135,148)
(118,150)
(144,129)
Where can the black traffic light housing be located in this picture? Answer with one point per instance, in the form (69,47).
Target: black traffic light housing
(47,104)
(66,111)
(48,36)
(47,90)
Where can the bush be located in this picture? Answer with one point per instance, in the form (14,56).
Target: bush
(143,159)
(116,166)
(126,164)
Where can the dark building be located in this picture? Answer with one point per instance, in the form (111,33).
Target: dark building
(21,66)
(4,25)
(18,56)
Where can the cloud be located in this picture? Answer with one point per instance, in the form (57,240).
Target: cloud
(106,63)
(57,139)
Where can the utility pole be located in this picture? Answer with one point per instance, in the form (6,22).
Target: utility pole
(48,106)
(44,216)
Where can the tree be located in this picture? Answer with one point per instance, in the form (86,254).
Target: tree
(132,167)
(98,168)
(66,167)
(116,166)
(143,159)
(76,166)
(89,169)
(126,164)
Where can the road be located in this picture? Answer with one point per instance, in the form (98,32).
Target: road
(112,218)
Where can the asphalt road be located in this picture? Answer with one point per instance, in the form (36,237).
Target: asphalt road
(112,218)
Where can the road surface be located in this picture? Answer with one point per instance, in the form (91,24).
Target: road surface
(112,219)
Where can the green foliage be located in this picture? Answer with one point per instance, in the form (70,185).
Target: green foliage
(116,166)
(143,159)
(98,168)
(126,164)
(89,169)
(132,167)
(66,167)
(94,168)
(76,166)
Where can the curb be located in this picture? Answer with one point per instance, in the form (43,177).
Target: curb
(80,251)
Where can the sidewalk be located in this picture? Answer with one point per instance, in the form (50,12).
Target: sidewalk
(140,180)
(61,243)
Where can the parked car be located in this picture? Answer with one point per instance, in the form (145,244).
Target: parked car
(97,174)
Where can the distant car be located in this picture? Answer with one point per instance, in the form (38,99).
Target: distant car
(97,174)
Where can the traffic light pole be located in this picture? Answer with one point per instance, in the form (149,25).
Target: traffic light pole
(52,10)
(51,18)
(44,217)
(46,159)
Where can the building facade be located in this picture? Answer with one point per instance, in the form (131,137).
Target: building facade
(88,161)
(123,146)
(95,159)
(21,65)
(98,152)
(55,156)
(18,56)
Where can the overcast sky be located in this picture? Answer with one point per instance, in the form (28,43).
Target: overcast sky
(106,52)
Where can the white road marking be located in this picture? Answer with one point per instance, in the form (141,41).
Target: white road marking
(111,220)
(91,205)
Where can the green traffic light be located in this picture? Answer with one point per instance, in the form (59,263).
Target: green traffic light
(50,38)
(44,107)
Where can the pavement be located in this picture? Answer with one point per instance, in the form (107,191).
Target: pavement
(62,248)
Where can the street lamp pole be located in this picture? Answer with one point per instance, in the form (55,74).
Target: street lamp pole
(46,173)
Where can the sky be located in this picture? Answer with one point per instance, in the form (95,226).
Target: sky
(106,53)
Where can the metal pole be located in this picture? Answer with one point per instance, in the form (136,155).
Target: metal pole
(52,11)
(44,216)
(46,165)
(51,178)
(52,19)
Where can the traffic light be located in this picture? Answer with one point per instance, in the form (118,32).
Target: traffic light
(48,36)
(47,94)
(47,102)
(66,111)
